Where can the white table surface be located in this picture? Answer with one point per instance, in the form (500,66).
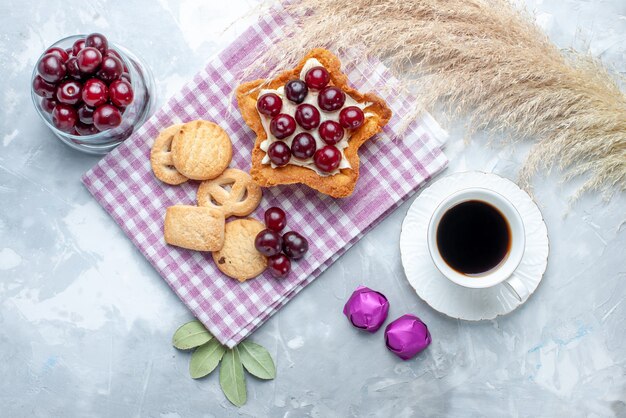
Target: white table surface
(86,322)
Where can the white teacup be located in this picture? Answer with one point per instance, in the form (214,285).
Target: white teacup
(503,272)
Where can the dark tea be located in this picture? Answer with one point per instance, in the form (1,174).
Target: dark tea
(473,237)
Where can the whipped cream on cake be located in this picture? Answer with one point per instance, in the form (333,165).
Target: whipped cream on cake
(312,106)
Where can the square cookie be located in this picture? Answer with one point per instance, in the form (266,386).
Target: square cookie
(194,228)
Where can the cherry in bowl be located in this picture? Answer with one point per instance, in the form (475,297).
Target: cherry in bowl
(74,53)
(121,93)
(111,69)
(107,117)
(48,105)
(114,53)
(59,52)
(69,92)
(95,92)
(51,68)
(72,68)
(85,114)
(86,128)
(89,60)
(44,89)
(98,41)
(64,117)
(78,46)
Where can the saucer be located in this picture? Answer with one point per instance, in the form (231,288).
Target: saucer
(447,297)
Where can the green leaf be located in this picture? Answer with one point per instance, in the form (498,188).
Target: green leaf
(257,360)
(205,359)
(232,380)
(191,335)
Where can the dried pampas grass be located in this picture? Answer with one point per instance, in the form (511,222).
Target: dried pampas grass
(484,59)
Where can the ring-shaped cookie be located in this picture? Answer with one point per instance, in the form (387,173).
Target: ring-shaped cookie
(242,199)
(161,158)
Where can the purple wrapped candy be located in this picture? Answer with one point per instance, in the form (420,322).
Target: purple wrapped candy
(407,336)
(367,309)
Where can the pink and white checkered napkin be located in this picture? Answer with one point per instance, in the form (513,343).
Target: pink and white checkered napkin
(391,171)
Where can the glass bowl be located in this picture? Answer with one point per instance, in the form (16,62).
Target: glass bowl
(133,117)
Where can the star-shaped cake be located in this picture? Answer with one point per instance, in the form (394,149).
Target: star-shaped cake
(310,124)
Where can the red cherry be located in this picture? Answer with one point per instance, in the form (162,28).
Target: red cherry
(279,265)
(64,117)
(48,105)
(89,59)
(327,158)
(317,78)
(114,53)
(351,117)
(121,93)
(78,46)
(85,114)
(268,242)
(295,245)
(307,116)
(85,129)
(51,68)
(275,219)
(279,153)
(69,52)
(69,92)
(331,99)
(95,92)
(106,117)
(72,68)
(42,88)
(269,104)
(119,57)
(111,69)
(296,90)
(331,132)
(59,52)
(303,146)
(98,41)
(282,125)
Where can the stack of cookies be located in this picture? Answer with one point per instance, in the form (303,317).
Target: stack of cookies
(201,150)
